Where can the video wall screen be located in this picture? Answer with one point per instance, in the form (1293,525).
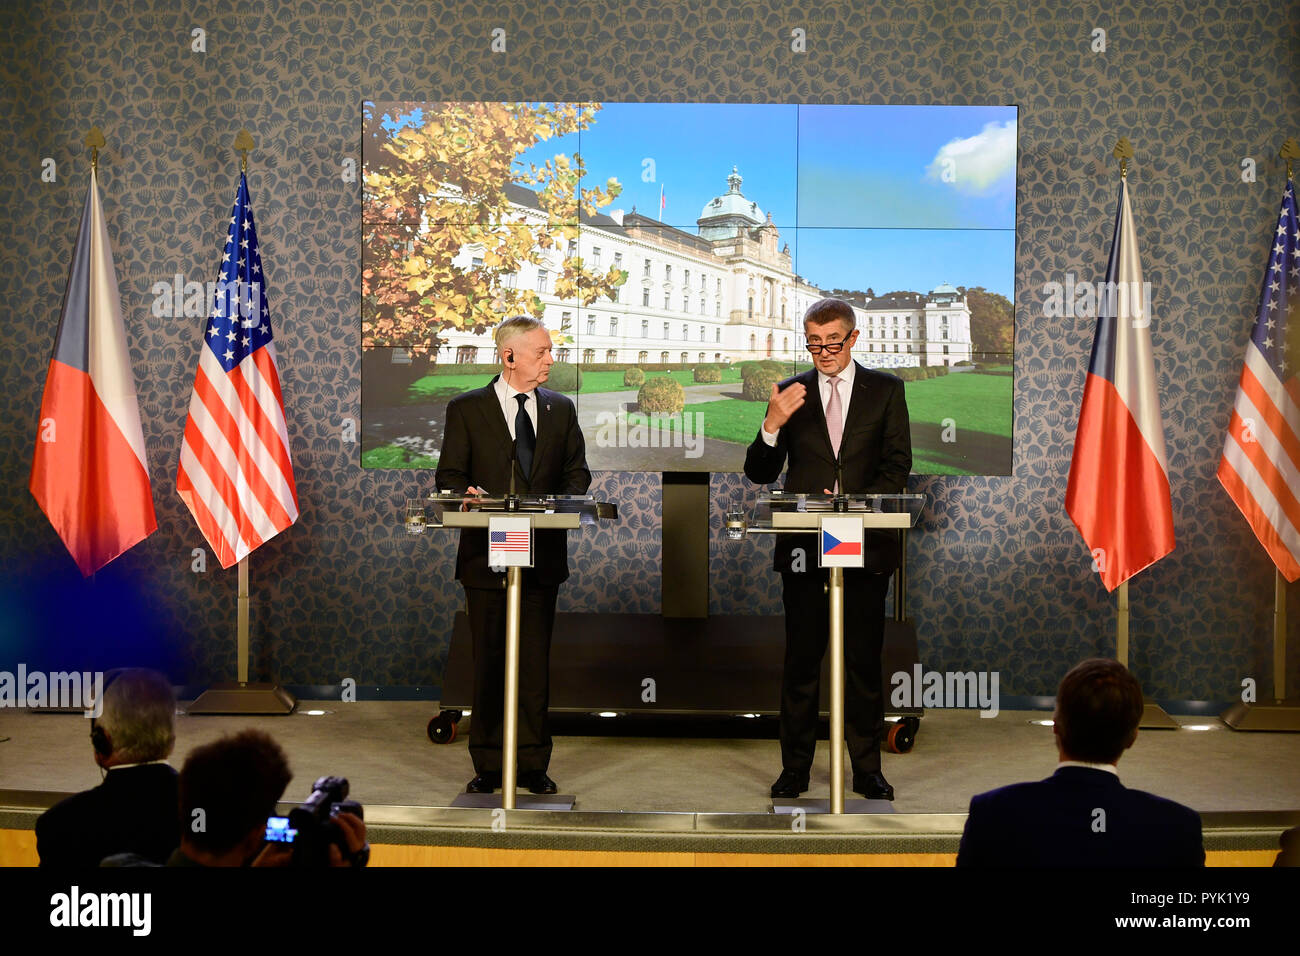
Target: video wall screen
(671,251)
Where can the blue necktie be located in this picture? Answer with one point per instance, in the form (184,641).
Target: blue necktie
(525,437)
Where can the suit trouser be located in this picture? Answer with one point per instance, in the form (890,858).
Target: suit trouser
(807,632)
(487,622)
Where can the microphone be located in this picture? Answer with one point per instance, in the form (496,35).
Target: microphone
(841,502)
(512,499)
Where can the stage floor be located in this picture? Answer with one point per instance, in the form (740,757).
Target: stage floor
(382,748)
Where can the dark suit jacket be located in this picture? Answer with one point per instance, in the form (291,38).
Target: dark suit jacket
(132,811)
(875,449)
(1049,823)
(477,450)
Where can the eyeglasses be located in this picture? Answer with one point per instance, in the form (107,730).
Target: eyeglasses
(831,348)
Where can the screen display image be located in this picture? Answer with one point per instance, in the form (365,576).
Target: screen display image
(671,251)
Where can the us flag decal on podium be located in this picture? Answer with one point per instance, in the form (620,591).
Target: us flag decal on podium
(235,475)
(510,542)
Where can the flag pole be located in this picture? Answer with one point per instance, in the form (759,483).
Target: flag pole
(241,622)
(1154,717)
(241,696)
(1279,635)
(1121,637)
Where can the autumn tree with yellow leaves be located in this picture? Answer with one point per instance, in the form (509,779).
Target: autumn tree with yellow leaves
(436,177)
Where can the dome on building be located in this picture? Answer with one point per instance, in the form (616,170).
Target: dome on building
(944,289)
(727,214)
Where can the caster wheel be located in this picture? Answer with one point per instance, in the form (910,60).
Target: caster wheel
(902,735)
(442,728)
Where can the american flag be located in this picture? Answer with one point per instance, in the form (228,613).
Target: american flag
(235,474)
(1260,468)
(508,541)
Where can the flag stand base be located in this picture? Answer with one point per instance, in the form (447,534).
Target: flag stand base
(1154,717)
(1283,715)
(232,697)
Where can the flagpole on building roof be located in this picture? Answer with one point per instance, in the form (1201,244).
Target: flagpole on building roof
(243,697)
(1280,713)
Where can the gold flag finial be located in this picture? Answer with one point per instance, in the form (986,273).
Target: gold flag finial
(1290,150)
(95,139)
(243,143)
(1123,151)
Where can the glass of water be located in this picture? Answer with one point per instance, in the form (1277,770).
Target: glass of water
(415,520)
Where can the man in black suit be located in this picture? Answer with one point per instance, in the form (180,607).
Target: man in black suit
(838,411)
(134,809)
(1082,816)
(513,423)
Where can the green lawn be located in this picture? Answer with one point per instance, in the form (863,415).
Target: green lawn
(395,456)
(449,386)
(613,381)
(444,386)
(979,403)
(727,419)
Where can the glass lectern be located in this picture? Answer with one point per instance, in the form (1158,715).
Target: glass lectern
(510,522)
(839,521)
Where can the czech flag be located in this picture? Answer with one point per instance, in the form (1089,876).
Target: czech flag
(1118,492)
(833,546)
(90,474)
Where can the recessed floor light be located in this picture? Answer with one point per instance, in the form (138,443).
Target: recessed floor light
(1044,723)
(315,713)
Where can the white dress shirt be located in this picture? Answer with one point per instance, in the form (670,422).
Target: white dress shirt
(845,387)
(510,408)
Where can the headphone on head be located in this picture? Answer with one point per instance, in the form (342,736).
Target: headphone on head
(99,738)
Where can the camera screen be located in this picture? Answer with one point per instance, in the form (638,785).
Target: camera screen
(279,831)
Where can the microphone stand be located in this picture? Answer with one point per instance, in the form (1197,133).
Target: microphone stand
(512,498)
(840,504)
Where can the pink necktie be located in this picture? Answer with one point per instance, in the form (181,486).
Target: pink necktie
(834,421)
(834,416)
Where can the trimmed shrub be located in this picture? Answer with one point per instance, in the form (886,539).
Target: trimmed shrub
(750,367)
(757,386)
(661,395)
(564,378)
(633,377)
(707,374)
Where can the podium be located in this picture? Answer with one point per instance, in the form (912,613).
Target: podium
(839,521)
(509,522)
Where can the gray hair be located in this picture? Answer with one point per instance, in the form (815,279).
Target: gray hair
(139,715)
(828,310)
(513,326)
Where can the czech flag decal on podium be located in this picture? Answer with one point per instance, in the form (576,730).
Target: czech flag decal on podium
(841,543)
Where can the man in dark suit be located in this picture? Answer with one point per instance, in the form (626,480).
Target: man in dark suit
(838,411)
(513,422)
(134,809)
(1082,816)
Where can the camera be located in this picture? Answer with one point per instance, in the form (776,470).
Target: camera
(310,828)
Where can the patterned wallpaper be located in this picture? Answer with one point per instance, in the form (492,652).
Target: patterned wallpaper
(999,578)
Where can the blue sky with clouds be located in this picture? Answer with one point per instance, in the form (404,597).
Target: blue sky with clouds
(888,197)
